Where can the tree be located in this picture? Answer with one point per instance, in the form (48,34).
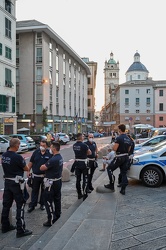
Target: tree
(44,117)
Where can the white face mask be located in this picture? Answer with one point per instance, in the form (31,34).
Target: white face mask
(42,148)
(50,150)
(90,139)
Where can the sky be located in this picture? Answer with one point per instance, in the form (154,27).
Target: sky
(95,28)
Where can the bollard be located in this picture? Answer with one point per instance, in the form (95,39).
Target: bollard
(65,174)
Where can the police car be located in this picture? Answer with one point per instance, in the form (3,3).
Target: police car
(150,167)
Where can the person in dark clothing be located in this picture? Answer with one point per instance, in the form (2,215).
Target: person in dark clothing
(14,166)
(121,147)
(81,151)
(39,157)
(92,164)
(53,183)
(131,154)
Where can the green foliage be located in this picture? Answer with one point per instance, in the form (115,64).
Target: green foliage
(44,117)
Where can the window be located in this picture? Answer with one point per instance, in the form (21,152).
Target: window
(160,106)
(148,91)
(161,92)
(90,91)
(8,53)
(8,78)
(57,62)
(39,55)
(17,39)
(126,91)
(130,77)
(161,118)
(88,80)
(17,55)
(57,79)
(50,58)
(148,111)
(17,76)
(8,27)
(147,101)
(136,101)
(126,111)
(0,49)
(39,74)
(89,102)
(8,6)
(126,101)
(137,91)
(39,38)
(137,111)
(139,77)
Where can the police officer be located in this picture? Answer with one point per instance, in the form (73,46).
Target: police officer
(131,154)
(81,150)
(121,147)
(13,167)
(39,157)
(53,183)
(92,164)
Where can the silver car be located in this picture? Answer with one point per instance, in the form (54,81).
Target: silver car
(4,144)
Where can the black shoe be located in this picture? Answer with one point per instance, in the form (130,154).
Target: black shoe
(122,191)
(42,207)
(80,196)
(102,169)
(109,187)
(25,233)
(91,188)
(30,209)
(5,230)
(89,191)
(47,224)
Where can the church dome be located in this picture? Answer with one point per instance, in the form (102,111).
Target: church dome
(137,65)
(111,60)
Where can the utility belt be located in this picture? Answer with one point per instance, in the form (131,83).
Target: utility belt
(120,155)
(18,179)
(91,159)
(37,175)
(84,160)
(48,182)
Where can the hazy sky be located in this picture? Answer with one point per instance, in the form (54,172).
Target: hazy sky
(94,28)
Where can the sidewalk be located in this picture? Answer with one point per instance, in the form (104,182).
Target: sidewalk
(135,221)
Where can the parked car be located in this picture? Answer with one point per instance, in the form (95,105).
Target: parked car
(150,142)
(150,167)
(4,144)
(26,139)
(63,138)
(96,134)
(37,139)
(152,148)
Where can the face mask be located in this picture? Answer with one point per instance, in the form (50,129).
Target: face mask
(90,139)
(42,148)
(50,150)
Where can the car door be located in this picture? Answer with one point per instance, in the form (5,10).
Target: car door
(4,144)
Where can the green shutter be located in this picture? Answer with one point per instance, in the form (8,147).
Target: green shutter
(0,48)
(13,104)
(2,103)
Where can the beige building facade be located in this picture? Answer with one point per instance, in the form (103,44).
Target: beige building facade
(51,81)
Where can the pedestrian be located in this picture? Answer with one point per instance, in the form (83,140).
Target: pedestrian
(39,157)
(53,183)
(121,147)
(131,154)
(92,160)
(108,158)
(49,137)
(56,137)
(14,166)
(81,151)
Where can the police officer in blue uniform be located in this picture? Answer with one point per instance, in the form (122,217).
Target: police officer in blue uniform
(121,147)
(81,151)
(53,183)
(92,164)
(39,157)
(13,167)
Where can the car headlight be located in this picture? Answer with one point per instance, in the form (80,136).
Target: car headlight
(135,160)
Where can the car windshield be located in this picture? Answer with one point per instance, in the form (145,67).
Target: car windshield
(29,138)
(8,138)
